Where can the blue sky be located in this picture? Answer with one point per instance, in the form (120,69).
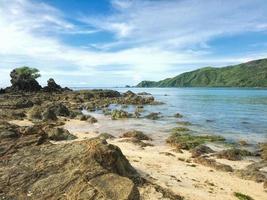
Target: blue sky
(119,42)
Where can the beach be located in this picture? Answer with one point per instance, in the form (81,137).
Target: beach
(170,160)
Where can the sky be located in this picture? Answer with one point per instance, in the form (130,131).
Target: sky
(106,43)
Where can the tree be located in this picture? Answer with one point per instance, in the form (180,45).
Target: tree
(27,72)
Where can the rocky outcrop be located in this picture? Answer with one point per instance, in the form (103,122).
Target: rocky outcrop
(2,91)
(22,83)
(136,134)
(213,164)
(119,114)
(233,154)
(33,168)
(52,86)
(200,150)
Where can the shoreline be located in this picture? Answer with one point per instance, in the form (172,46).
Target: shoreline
(169,170)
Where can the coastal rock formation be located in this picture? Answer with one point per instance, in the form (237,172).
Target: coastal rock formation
(233,154)
(23,82)
(52,86)
(2,91)
(200,150)
(33,168)
(213,164)
(119,114)
(136,134)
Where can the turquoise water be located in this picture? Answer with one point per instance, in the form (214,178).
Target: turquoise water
(234,113)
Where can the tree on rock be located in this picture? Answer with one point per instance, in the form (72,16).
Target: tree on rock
(24,79)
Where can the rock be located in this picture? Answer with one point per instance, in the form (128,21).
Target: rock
(58,134)
(80,170)
(265,184)
(233,154)
(2,91)
(106,136)
(253,172)
(35,113)
(180,139)
(136,142)
(213,164)
(184,123)
(153,116)
(136,134)
(88,118)
(144,93)
(263,149)
(59,109)
(125,188)
(129,94)
(22,82)
(243,142)
(178,115)
(119,114)
(49,115)
(200,150)
(52,86)
(8,134)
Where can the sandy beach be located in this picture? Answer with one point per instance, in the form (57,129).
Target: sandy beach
(174,171)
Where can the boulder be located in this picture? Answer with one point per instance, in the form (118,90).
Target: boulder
(254,172)
(58,134)
(136,134)
(52,86)
(200,150)
(2,91)
(153,116)
(88,118)
(89,169)
(233,154)
(119,114)
(178,115)
(49,115)
(213,164)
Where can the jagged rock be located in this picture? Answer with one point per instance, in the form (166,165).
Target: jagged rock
(254,172)
(2,91)
(88,118)
(59,134)
(49,114)
(52,86)
(23,82)
(136,142)
(129,94)
(33,168)
(264,151)
(144,93)
(119,114)
(59,109)
(233,154)
(178,115)
(106,136)
(181,139)
(136,134)
(153,116)
(213,164)
(200,150)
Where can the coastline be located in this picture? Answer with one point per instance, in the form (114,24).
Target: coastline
(168,170)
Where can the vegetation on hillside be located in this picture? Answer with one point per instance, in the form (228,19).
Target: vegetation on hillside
(250,74)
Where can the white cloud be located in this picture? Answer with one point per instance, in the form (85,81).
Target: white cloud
(150,38)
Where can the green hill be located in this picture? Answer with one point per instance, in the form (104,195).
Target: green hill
(250,74)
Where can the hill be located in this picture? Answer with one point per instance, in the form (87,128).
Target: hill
(250,74)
